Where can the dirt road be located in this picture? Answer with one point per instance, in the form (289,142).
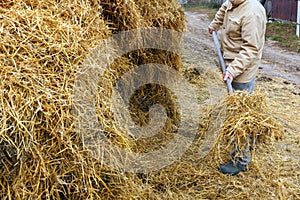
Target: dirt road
(276,62)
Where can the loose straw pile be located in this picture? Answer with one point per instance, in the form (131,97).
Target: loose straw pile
(248,122)
(42,45)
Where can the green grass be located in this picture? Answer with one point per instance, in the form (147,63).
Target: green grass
(192,7)
(284,33)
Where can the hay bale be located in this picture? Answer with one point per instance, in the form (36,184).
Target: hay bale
(124,15)
(121,15)
(42,45)
(163,14)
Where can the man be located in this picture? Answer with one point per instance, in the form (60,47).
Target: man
(243,26)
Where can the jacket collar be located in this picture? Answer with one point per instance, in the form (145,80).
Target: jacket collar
(235,4)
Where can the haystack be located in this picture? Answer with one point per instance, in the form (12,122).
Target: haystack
(43,43)
(43,46)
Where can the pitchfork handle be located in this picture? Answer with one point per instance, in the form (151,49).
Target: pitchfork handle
(221,60)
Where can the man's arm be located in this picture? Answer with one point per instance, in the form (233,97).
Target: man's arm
(218,20)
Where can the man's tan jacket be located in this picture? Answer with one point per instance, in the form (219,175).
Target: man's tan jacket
(243,35)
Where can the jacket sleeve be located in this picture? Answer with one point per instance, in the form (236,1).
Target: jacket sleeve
(219,17)
(252,42)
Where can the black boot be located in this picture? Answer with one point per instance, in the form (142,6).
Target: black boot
(233,168)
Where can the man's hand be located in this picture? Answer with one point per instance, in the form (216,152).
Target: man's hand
(226,76)
(211,29)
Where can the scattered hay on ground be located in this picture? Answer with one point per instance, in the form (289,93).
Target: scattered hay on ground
(43,43)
